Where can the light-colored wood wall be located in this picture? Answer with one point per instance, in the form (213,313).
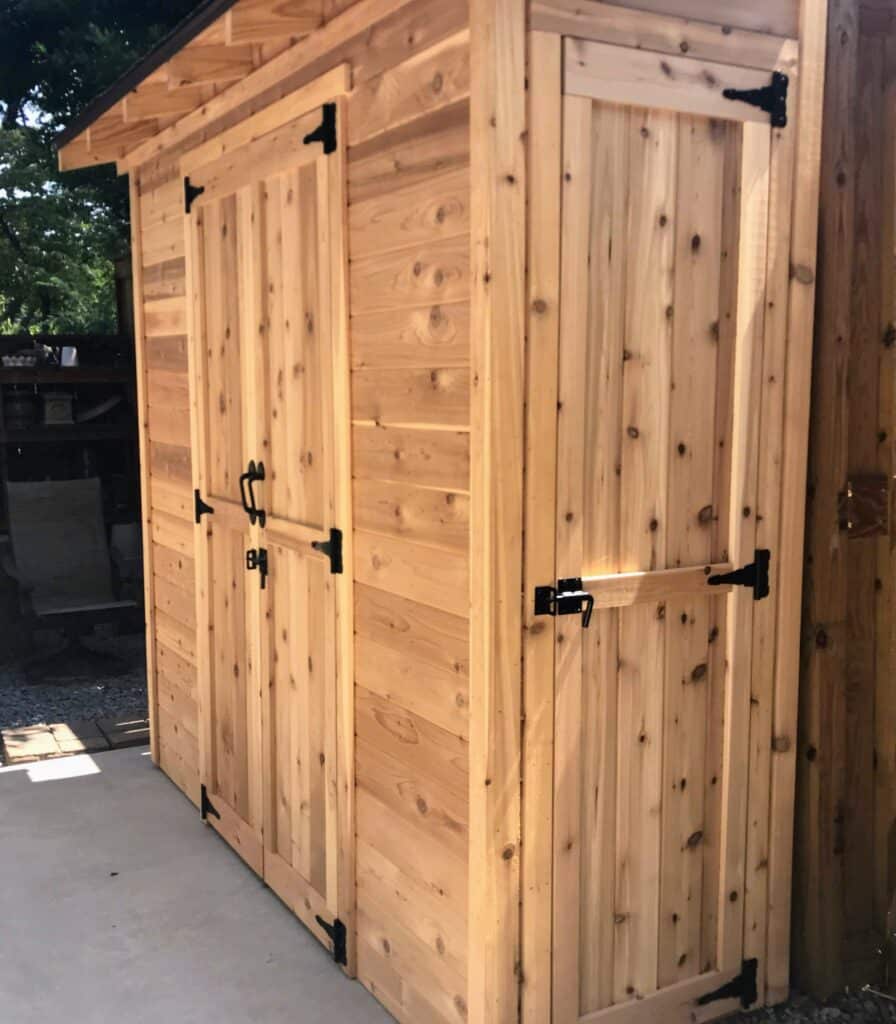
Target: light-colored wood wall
(409,249)
(168,499)
(846,812)
(409,297)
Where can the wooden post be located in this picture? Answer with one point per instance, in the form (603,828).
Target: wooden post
(498,218)
(803,245)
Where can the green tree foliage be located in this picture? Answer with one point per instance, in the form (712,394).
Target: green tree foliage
(60,232)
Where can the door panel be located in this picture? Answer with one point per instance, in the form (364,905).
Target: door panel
(262,260)
(230,718)
(664,229)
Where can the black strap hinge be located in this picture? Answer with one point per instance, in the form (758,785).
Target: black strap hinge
(332,548)
(339,937)
(326,130)
(200,508)
(754,575)
(206,807)
(567,598)
(743,987)
(771,98)
(257,558)
(191,192)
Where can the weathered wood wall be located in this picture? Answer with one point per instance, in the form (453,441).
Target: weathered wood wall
(845,872)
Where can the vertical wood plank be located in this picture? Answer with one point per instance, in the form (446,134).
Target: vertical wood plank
(336,219)
(570,480)
(643,494)
(752,260)
(804,234)
(498,240)
(768,517)
(143,442)
(197,359)
(691,454)
(543,297)
(819,917)
(602,423)
(884,697)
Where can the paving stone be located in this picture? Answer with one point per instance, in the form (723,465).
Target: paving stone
(30,743)
(125,730)
(79,737)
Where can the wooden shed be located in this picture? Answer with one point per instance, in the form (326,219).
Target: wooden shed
(474,359)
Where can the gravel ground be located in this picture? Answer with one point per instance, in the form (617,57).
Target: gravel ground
(76,688)
(848,1008)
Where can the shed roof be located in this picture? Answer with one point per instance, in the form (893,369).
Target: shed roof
(219,43)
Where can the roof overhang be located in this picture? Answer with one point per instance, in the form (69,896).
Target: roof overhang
(221,42)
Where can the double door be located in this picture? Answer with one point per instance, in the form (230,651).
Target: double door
(265,255)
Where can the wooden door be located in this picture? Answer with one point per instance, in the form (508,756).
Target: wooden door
(667,245)
(270,391)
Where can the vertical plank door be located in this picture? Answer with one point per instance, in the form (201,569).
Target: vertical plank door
(267,255)
(665,261)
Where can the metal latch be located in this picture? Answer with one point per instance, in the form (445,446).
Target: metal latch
(257,558)
(771,98)
(567,598)
(754,575)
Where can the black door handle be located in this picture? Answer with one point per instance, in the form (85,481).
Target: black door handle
(256,473)
(247,508)
(253,472)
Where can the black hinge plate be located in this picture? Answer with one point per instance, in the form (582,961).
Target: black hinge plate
(206,807)
(339,937)
(200,508)
(326,130)
(743,987)
(191,192)
(332,548)
(771,98)
(754,576)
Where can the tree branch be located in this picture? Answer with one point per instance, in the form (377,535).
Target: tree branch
(11,236)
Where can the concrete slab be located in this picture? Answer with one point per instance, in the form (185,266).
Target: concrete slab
(118,905)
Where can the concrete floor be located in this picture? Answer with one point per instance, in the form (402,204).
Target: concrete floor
(116,904)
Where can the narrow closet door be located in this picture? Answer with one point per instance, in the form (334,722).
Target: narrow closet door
(664,270)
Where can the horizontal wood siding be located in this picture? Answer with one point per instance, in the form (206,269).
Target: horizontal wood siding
(167,432)
(409,248)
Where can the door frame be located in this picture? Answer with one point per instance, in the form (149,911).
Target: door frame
(330,87)
(775,634)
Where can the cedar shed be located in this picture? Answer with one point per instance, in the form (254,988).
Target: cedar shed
(474,350)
